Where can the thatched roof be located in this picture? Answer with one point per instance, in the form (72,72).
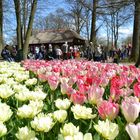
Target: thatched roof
(55,36)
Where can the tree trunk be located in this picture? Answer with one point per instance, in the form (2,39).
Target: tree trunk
(116,34)
(18,18)
(78,24)
(112,29)
(138,59)
(24,17)
(116,37)
(87,29)
(29,29)
(138,45)
(93,24)
(135,40)
(1,25)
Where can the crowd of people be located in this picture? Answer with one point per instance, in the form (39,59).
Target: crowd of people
(9,53)
(98,53)
(103,54)
(54,52)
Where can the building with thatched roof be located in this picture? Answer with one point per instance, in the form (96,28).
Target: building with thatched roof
(56,37)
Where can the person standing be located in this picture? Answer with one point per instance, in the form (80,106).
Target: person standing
(58,53)
(38,54)
(98,53)
(65,50)
(50,54)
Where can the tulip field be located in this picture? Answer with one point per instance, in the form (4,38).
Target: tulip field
(69,100)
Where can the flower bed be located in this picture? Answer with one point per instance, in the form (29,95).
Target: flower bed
(69,100)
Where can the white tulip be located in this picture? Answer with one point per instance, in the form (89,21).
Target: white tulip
(60,115)
(107,129)
(69,130)
(133,131)
(82,112)
(30,110)
(3,129)
(78,136)
(25,133)
(30,82)
(5,112)
(88,136)
(5,91)
(62,104)
(42,123)
(37,95)
(25,111)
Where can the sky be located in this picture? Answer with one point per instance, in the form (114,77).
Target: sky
(46,7)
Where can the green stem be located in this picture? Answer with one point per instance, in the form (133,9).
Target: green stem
(42,136)
(17,103)
(3,138)
(52,100)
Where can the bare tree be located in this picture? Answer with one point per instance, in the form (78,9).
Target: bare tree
(19,26)
(135,43)
(18,19)
(115,14)
(56,20)
(1,25)
(87,23)
(29,29)
(77,14)
(24,17)
(93,25)
(136,35)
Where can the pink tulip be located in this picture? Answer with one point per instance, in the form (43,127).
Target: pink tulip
(133,69)
(78,98)
(137,90)
(127,91)
(64,87)
(53,82)
(130,108)
(108,110)
(70,91)
(117,82)
(56,69)
(138,78)
(115,93)
(42,77)
(95,94)
(83,88)
(133,131)
(72,80)
(104,81)
(96,80)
